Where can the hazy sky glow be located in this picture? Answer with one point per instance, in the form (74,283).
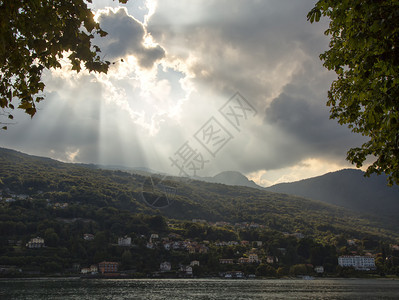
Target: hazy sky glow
(182,61)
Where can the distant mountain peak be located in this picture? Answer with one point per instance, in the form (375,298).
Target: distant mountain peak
(231,178)
(348,188)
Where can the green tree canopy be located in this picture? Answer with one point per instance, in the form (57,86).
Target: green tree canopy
(364,53)
(35,35)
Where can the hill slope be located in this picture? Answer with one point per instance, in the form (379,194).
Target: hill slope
(231,178)
(86,190)
(349,189)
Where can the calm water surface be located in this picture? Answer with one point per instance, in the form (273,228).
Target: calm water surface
(198,289)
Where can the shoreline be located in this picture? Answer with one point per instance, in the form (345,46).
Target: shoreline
(390,278)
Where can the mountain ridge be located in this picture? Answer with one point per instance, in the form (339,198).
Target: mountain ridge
(347,188)
(84,188)
(233,178)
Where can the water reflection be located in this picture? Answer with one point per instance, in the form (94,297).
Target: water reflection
(198,289)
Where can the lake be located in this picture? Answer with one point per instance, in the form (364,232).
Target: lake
(66,288)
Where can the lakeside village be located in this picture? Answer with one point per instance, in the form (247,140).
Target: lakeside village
(42,238)
(173,255)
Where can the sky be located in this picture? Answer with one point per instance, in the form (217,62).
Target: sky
(196,88)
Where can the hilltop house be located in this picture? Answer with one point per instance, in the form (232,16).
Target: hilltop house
(124,241)
(88,237)
(271,259)
(36,242)
(243,260)
(195,248)
(253,258)
(226,261)
(154,238)
(194,263)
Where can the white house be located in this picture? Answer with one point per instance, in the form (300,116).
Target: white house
(92,270)
(358,262)
(271,259)
(154,237)
(124,241)
(194,263)
(259,243)
(88,237)
(36,242)
(167,246)
(187,270)
(165,266)
(253,258)
(351,243)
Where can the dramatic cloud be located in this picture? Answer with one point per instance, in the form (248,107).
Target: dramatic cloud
(126,36)
(176,64)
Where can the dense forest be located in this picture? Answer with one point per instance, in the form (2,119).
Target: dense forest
(62,202)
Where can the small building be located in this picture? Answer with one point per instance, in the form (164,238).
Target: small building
(282,250)
(108,267)
(244,243)
(36,242)
(194,263)
(174,235)
(154,237)
(254,225)
(243,260)
(199,221)
(271,259)
(93,269)
(253,258)
(395,247)
(125,241)
(226,261)
(364,263)
(178,245)
(88,237)
(186,270)
(351,243)
(195,248)
(167,246)
(165,266)
(191,249)
(202,249)
(222,224)
(238,274)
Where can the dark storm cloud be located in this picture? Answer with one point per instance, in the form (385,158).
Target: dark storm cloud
(126,37)
(266,50)
(308,123)
(270,53)
(242,44)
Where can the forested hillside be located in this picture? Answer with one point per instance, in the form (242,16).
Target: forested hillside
(85,188)
(349,189)
(62,202)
